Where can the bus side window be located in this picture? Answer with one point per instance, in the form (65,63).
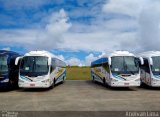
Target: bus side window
(145,67)
(52,65)
(137,62)
(106,66)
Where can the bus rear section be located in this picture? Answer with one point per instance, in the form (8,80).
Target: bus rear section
(119,70)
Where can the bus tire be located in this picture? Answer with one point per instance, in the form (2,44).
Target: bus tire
(63,79)
(53,84)
(93,79)
(104,81)
(10,85)
(51,87)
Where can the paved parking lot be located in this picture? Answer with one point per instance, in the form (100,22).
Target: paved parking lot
(81,96)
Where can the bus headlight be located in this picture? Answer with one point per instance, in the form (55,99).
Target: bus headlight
(114,80)
(137,80)
(45,81)
(6,80)
(154,80)
(21,81)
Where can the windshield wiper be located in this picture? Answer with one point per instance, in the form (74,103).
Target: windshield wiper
(132,72)
(129,69)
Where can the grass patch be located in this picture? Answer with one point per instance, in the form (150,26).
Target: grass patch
(78,73)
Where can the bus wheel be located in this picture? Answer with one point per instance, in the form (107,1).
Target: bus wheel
(63,79)
(142,84)
(9,86)
(53,84)
(15,84)
(104,81)
(93,79)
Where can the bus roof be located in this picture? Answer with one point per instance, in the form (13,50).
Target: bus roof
(99,61)
(41,53)
(150,54)
(104,59)
(7,52)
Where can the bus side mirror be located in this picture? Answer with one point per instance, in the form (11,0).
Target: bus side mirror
(49,61)
(17,60)
(109,60)
(150,61)
(141,60)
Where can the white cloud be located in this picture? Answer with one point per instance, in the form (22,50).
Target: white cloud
(138,26)
(99,41)
(7,48)
(89,59)
(125,7)
(132,24)
(58,23)
(61,57)
(119,24)
(74,62)
(39,38)
(102,54)
(81,65)
(149,22)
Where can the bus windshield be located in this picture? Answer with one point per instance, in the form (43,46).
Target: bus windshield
(124,65)
(34,66)
(3,64)
(156,65)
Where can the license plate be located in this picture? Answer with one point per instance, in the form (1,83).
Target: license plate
(32,85)
(126,84)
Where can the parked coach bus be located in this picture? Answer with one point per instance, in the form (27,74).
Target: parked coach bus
(8,70)
(119,69)
(150,70)
(40,69)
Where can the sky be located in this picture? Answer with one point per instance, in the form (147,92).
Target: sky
(80,31)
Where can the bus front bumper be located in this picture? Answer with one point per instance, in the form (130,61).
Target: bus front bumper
(155,83)
(34,85)
(4,83)
(125,84)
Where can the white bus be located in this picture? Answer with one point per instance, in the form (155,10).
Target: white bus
(119,69)
(40,69)
(150,70)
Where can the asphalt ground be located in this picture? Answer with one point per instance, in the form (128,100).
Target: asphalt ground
(73,95)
